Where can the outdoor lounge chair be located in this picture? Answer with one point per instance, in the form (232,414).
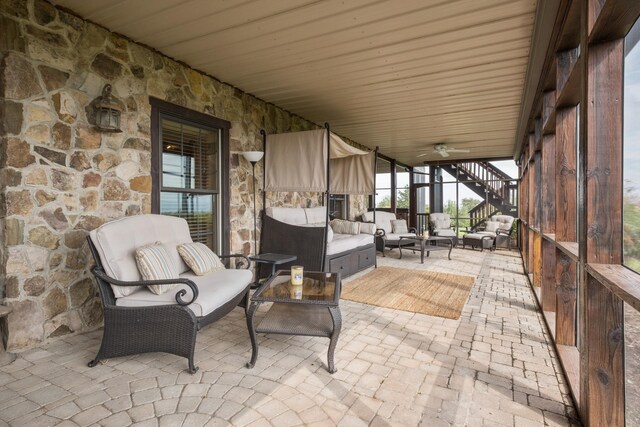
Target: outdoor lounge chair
(499,229)
(385,236)
(142,321)
(440,225)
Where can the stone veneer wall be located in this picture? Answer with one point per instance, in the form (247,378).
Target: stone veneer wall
(59,178)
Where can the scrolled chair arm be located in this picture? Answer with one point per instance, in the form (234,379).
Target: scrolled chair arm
(194,288)
(380,232)
(242,257)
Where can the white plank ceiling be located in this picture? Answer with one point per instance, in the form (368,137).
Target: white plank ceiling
(398,74)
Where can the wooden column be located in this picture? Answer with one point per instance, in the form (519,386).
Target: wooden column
(566,174)
(548,221)
(604,311)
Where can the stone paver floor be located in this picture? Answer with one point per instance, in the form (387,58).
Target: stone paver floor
(491,367)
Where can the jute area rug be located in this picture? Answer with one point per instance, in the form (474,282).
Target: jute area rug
(427,292)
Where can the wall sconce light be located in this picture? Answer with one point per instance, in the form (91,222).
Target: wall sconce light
(107,111)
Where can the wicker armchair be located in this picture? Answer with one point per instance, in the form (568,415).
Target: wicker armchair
(171,323)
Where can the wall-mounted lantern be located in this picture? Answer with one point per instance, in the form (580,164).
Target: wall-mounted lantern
(108,112)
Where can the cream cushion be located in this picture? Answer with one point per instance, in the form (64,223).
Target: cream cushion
(346,242)
(293,216)
(314,215)
(439,220)
(155,264)
(399,226)
(341,226)
(506,221)
(383,219)
(215,290)
(117,241)
(492,226)
(367,228)
(445,232)
(200,258)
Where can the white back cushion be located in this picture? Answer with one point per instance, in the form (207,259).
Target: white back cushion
(316,215)
(506,221)
(440,220)
(117,241)
(383,219)
(293,216)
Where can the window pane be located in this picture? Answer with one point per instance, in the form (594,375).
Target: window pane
(383,198)
(631,155)
(189,156)
(338,206)
(200,212)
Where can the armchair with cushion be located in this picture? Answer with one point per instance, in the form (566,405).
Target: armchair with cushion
(499,228)
(139,318)
(440,225)
(389,229)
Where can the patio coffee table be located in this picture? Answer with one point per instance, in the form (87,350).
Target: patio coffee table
(427,245)
(310,309)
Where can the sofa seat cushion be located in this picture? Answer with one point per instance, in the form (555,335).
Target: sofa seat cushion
(346,242)
(446,232)
(486,233)
(215,290)
(293,216)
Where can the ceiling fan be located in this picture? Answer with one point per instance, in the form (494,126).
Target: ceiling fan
(443,149)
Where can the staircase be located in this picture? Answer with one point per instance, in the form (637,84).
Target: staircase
(484,179)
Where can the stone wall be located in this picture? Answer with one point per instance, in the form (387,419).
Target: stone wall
(60,178)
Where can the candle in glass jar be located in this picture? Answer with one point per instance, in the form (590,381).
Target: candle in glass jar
(296,291)
(296,275)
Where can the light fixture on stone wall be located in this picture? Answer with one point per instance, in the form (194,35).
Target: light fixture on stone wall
(254,157)
(108,112)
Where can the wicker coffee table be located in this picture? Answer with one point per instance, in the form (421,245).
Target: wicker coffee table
(309,310)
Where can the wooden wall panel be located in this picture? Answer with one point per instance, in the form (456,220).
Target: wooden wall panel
(548,276)
(604,153)
(566,296)
(605,356)
(566,184)
(548,220)
(537,260)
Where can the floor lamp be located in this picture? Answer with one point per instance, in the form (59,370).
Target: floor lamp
(254,157)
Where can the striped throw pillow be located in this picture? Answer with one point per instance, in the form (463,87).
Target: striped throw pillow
(341,226)
(200,258)
(154,263)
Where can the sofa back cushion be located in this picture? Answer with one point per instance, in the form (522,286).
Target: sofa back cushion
(316,215)
(293,216)
(117,241)
(439,220)
(383,219)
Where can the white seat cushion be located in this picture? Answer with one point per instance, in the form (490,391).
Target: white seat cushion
(215,290)
(486,233)
(396,236)
(506,221)
(346,242)
(446,232)
(117,241)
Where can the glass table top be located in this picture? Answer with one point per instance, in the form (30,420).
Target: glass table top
(316,288)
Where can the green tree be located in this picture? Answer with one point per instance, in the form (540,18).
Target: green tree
(403,199)
(385,202)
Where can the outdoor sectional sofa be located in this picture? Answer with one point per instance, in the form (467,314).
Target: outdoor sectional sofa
(301,232)
(142,321)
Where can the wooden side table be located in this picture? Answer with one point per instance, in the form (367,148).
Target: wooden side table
(5,358)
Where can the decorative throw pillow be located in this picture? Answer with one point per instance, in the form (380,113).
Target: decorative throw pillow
(329,233)
(492,226)
(341,226)
(200,258)
(399,226)
(154,263)
(367,228)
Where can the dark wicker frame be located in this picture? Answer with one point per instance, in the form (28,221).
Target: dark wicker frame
(163,328)
(308,244)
